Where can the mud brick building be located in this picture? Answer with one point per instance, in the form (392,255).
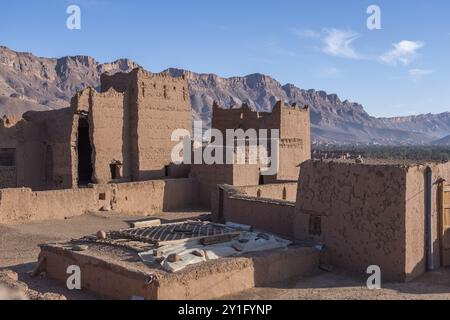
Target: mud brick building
(112,150)
(120,134)
(293,123)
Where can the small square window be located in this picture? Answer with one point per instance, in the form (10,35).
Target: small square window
(7,157)
(315,225)
(116,170)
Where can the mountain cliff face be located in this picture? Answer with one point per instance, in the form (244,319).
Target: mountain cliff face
(445,141)
(28,82)
(333,120)
(43,83)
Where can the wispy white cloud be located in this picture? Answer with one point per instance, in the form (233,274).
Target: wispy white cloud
(275,48)
(339,43)
(420,72)
(328,72)
(404,52)
(306,33)
(417,74)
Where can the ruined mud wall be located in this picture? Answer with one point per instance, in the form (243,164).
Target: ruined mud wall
(8,177)
(358,212)
(20,205)
(41,147)
(58,140)
(27,141)
(150,197)
(244,118)
(210,176)
(163,106)
(155,196)
(245,174)
(156,105)
(295,141)
(127,83)
(415,217)
(109,120)
(279,191)
(270,215)
(295,132)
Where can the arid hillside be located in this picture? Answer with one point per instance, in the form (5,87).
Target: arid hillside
(28,82)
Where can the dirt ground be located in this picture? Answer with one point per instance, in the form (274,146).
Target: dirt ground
(19,243)
(340,286)
(19,251)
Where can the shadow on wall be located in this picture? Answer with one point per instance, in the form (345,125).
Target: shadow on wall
(180,198)
(31,137)
(245,205)
(170,171)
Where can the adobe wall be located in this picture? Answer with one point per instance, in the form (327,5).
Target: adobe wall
(245,118)
(127,83)
(44,137)
(19,205)
(8,177)
(415,218)
(157,105)
(163,106)
(278,191)
(358,212)
(295,141)
(155,196)
(110,130)
(150,197)
(210,176)
(295,132)
(262,207)
(245,174)
(24,138)
(131,122)
(59,138)
(116,276)
(270,215)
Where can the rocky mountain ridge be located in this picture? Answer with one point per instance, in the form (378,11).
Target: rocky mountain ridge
(28,82)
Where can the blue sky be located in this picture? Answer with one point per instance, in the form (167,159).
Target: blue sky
(402,69)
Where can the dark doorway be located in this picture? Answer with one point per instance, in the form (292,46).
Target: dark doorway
(221,196)
(166,171)
(116,170)
(49,166)
(261,180)
(84,153)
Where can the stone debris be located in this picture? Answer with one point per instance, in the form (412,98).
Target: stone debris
(173,258)
(177,256)
(145,223)
(13,289)
(198,253)
(12,294)
(239,226)
(106,208)
(263,236)
(9,274)
(101,235)
(80,247)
